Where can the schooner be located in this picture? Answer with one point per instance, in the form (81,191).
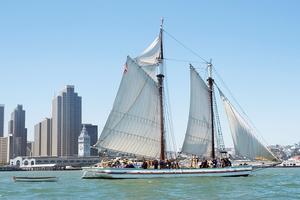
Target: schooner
(136,123)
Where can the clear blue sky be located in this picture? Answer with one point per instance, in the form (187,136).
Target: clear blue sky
(255,46)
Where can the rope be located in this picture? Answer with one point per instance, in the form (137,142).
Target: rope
(265,167)
(184,60)
(184,46)
(251,124)
(248,123)
(169,114)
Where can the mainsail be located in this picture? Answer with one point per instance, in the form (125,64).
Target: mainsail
(133,125)
(198,139)
(245,142)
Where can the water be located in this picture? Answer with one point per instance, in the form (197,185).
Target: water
(264,184)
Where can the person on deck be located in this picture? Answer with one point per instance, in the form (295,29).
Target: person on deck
(162,164)
(145,165)
(169,164)
(129,165)
(204,164)
(155,163)
(228,163)
(214,163)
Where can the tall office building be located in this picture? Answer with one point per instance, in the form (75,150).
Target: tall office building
(1,120)
(66,122)
(37,140)
(92,131)
(16,128)
(3,150)
(42,138)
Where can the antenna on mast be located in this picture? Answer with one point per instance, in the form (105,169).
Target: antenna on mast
(209,68)
(161,22)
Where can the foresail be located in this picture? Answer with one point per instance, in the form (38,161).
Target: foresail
(149,59)
(245,142)
(133,125)
(198,138)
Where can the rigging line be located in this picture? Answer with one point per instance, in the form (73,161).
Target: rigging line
(253,129)
(251,124)
(184,46)
(226,87)
(185,61)
(236,116)
(235,101)
(169,117)
(263,168)
(169,114)
(219,135)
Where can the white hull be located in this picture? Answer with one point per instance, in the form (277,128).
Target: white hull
(125,173)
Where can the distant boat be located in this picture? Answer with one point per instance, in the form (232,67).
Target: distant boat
(292,162)
(136,124)
(35,179)
(73,168)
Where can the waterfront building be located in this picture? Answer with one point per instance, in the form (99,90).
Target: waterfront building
(3,150)
(1,120)
(57,161)
(92,131)
(42,138)
(84,143)
(16,128)
(66,123)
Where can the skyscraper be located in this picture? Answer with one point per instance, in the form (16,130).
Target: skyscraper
(42,138)
(46,137)
(3,150)
(16,128)
(92,131)
(1,120)
(37,140)
(66,122)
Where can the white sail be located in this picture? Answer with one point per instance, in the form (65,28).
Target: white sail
(149,59)
(245,142)
(150,55)
(133,125)
(198,138)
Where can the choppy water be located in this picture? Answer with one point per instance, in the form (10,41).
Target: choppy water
(265,184)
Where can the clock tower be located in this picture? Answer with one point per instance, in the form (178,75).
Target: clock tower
(84,143)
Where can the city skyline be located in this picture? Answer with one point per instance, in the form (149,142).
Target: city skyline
(256,57)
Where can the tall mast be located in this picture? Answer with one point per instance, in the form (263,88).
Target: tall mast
(210,81)
(160,78)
